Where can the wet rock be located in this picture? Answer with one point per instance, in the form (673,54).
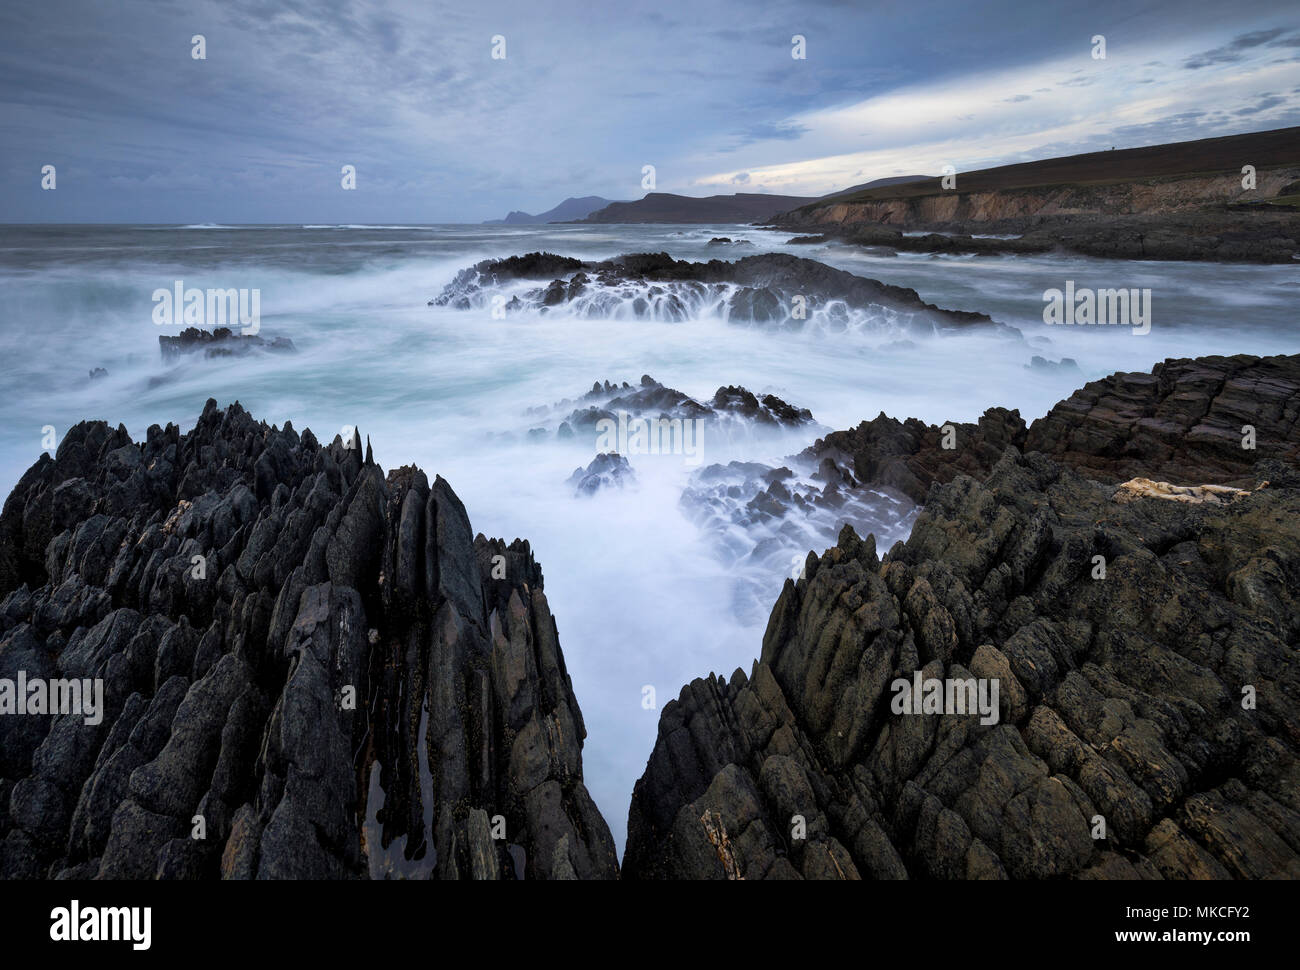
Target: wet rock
(1183,423)
(269,618)
(1145,724)
(607,470)
(611,414)
(220,342)
(1120,701)
(758,290)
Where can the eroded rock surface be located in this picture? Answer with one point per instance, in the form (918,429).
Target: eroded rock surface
(279,628)
(1185,422)
(1121,699)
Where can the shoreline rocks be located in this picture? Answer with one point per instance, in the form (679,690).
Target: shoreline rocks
(279,626)
(325,667)
(1227,235)
(1141,638)
(1121,700)
(1183,422)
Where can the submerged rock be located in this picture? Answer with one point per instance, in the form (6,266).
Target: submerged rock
(221,342)
(734,413)
(607,470)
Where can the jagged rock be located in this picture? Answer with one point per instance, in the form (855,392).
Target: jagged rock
(768,284)
(607,470)
(274,623)
(911,455)
(220,342)
(1182,423)
(734,412)
(1121,700)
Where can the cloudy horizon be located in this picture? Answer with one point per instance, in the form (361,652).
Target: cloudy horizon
(708,93)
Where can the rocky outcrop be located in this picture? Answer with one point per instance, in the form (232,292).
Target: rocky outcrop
(1206,420)
(1186,422)
(733,413)
(309,669)
(221,342)
(1145,727)
(607,470)
(1220,235)
(1140,637)
(911,455)
(730,405)
(771,289)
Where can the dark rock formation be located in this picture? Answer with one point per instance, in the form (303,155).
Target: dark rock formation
(1066,365)
(286,639)
(1183,422)
(734,412)
(911,455)
(758,289)
(1158,699)
(607,470)
(1224,235)
(221,342)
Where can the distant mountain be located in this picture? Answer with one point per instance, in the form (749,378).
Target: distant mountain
(570,210)
(665,207)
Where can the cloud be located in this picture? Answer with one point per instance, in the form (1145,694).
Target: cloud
(1234,51)
(705,90)
(767,130)
(971,122)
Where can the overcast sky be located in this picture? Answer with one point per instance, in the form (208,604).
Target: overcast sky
(589,92)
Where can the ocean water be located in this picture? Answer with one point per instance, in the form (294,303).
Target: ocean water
(640,595)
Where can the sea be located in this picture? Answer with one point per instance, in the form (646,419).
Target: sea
(641,596)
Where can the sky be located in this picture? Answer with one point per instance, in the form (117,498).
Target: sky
(587,94)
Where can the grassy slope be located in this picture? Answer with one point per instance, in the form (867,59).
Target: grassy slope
(1208,156)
